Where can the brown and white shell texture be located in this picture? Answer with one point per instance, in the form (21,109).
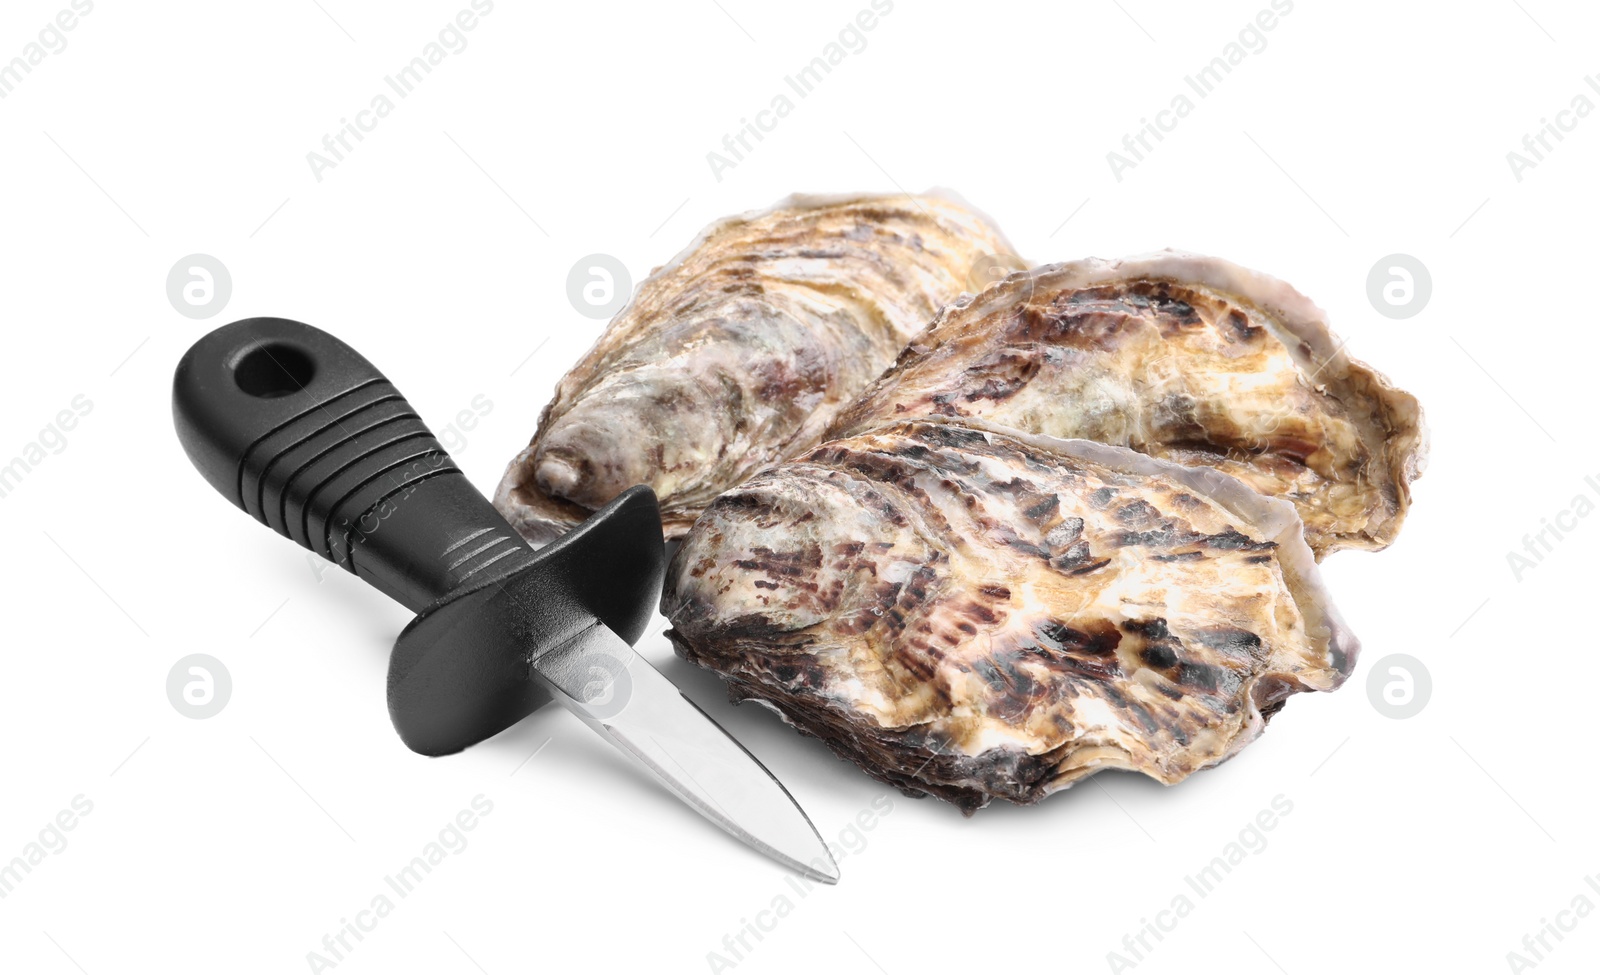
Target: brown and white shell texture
(1185,358)
(969,612)
(742,350)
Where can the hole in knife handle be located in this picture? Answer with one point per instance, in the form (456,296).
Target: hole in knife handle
(274,370)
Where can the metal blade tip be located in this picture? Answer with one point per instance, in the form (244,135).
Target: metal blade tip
(600,678)
(827,872)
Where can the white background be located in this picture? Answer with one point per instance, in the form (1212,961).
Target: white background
(440,247)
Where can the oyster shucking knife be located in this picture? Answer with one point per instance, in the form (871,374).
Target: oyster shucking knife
(305,435)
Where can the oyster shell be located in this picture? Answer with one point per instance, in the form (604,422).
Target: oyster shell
(1186,358)
(741,350)
(970,612)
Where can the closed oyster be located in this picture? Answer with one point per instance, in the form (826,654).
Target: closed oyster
(740,352)
(1186,358)
(969,612)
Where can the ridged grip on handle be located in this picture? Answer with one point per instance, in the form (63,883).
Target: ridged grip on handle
(310,439)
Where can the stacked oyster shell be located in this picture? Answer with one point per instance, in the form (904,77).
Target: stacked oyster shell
(741,350)
(970,612)
(1074,526)
(1185,358)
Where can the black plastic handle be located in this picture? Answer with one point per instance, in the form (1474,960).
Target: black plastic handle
(304,434)
(310,439)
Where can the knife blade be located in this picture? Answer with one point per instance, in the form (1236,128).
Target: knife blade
(600,678)
(303,433)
